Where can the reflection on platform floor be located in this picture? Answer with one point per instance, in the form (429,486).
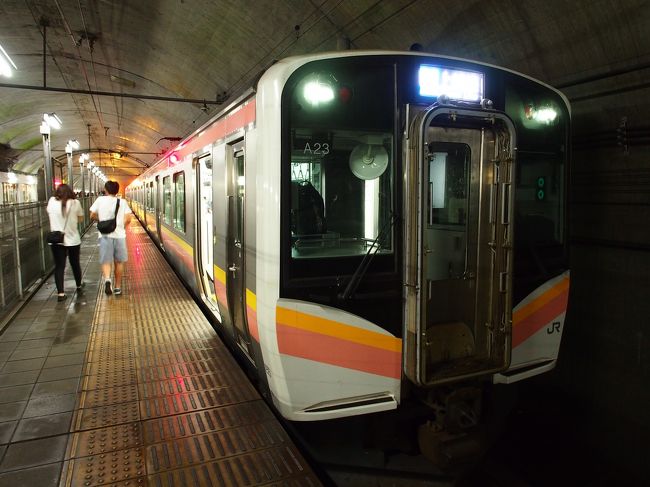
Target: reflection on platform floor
(134,389)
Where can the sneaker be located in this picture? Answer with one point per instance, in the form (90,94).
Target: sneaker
(81,286)
(117,291)
(107,287)
(61,297)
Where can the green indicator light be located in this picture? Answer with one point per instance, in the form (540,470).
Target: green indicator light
(541,181)
(540,194)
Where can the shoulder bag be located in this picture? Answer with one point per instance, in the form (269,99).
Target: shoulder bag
(56,237)
(108,226)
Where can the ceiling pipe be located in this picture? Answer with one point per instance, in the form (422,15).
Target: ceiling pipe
(603,76)
(109,93)
(88,126)
(124,153)
(614,91)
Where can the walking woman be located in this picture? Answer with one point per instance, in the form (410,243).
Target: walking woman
(65,213)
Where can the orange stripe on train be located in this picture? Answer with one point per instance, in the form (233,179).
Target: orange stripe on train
(322,340)
(538,313)
(251,314)
(560,288)
(351,333)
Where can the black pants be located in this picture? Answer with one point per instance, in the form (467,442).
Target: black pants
(59,252)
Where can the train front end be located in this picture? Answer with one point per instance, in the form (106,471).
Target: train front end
(421,201)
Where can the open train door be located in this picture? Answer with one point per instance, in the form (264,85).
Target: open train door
(205,232)
(458,263)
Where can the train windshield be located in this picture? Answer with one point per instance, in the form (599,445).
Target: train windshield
(341,161)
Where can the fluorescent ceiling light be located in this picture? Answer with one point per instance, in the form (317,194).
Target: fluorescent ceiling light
(52,120)
(6,64)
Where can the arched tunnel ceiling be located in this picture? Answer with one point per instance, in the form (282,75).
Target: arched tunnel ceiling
(211,50)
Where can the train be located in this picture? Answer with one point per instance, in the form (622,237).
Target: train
(18,188)
(368,228)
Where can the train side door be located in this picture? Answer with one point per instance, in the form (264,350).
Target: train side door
(235,282)
(157,206)
(459,280)
(204,231)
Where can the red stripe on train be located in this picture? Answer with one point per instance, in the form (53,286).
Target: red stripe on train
(251,314)
(221,128)
(220,292)
(526,328)
(335,351)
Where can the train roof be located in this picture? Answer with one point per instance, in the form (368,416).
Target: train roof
(294,62)
(284,67)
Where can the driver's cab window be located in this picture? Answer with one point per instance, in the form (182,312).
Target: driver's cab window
(341,194)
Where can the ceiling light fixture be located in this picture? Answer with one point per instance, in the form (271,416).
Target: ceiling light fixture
(6,64)
(53,120)
(71,146)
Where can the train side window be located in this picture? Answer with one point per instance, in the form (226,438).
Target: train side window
(179,201)
(9,193)
(167,200)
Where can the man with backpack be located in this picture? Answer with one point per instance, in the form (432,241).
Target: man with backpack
(112,234)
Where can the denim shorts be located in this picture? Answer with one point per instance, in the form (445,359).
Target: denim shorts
(112,249)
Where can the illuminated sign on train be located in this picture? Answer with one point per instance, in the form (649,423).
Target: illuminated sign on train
(457,84)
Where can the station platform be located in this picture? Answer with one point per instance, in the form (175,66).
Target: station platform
(132,390)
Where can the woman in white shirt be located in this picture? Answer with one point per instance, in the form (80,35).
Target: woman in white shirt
(65,212)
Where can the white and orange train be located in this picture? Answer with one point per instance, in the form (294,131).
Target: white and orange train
(368,226)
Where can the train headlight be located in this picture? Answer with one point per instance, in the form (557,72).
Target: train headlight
(316,92)
(545,115)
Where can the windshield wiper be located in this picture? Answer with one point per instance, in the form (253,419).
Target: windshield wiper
(361,269)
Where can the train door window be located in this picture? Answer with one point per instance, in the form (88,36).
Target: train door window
(448,207)
(167,200)
(239,158)
(179,201)
(235,278)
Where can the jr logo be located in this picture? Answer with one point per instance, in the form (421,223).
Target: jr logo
(554,328)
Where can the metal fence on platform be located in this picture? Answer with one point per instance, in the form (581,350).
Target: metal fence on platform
(25,257)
